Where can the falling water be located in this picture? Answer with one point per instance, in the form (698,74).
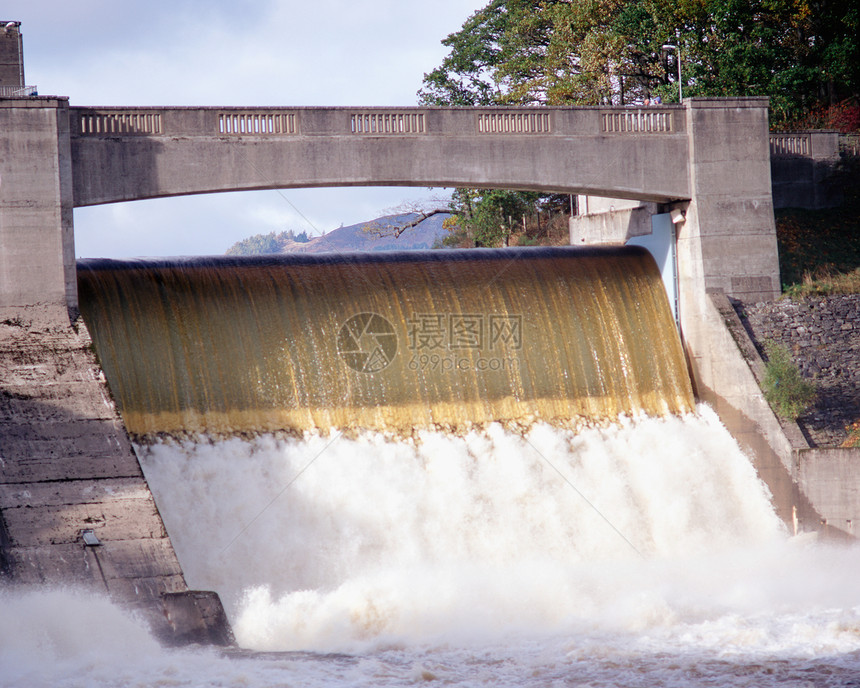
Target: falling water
(444,339)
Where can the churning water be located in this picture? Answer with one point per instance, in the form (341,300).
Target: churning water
(644,553)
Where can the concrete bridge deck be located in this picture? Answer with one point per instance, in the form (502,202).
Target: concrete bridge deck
(121,154)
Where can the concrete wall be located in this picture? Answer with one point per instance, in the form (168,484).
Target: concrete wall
(610,220)
(728,241)
(802,167)
(37,267)
(830,479)
(11,57)
(66,465)
(727,370)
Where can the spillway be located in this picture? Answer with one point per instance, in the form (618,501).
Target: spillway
(394,342)
(525,552)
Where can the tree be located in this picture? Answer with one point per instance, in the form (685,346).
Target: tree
(395,226)
(264,244)
(488,217)
(800,53)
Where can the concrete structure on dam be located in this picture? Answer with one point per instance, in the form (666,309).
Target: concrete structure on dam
(708,162)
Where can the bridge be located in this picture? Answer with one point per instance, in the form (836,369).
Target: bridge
(708,158)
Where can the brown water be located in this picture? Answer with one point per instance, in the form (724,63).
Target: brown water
(390,341)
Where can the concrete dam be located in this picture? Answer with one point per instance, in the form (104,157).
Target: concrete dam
(462,397)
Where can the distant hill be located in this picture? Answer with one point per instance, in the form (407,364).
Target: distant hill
(374,235)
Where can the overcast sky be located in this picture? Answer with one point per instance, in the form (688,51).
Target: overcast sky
(214,52)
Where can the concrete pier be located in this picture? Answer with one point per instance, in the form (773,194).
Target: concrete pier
(75,508)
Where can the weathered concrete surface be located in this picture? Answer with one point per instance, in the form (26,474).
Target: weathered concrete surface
(66,465)
(11,58)
(726,370)
(728,240)
(610,220)
(830,478)
(37,254)
(179,151)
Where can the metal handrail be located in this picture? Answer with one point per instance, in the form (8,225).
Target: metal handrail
(17,91)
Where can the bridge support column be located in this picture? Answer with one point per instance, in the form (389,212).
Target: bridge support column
(726,247)
(728,240)
(37,256)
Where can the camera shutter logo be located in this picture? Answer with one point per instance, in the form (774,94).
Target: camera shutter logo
(367,342)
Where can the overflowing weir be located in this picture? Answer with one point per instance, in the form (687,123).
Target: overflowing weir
(446,339)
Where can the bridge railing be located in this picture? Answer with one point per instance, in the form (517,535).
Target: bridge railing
(17,91)
(518,122)
(849,144)
(259,123)
(369,122)
(648,121)
(799,143)
(122,122)
(387,123)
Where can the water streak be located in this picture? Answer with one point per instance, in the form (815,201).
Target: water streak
(448,339)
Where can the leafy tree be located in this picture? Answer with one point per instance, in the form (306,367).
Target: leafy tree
(465,76)
(263,244)
(488,217)
(798,52)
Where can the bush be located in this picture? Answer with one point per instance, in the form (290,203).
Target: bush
(853,439)
(784,388)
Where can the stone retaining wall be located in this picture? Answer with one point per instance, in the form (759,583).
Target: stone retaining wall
(823,335)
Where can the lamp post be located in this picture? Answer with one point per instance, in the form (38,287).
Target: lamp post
(677,52)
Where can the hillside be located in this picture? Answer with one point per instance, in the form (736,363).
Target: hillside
(374,235)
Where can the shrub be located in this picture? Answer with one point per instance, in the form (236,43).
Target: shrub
(784,387)
(853,439)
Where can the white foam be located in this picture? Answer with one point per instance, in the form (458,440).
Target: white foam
(457,538)
(471,561)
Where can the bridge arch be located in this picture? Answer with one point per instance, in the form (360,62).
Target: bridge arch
(121,154)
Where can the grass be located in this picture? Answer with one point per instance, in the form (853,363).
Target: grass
(783,386)
(824,282)
(853,439)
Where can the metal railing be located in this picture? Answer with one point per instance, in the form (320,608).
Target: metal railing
(18,91)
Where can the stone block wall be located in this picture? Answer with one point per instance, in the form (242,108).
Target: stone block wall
(823,335)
